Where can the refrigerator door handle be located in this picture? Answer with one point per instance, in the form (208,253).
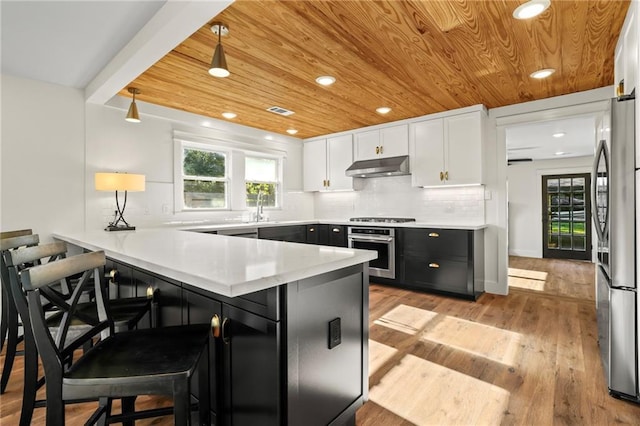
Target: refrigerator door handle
(601,231)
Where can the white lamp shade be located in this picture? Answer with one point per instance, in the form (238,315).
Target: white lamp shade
(119,182)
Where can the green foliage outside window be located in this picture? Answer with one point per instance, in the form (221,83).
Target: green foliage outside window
(268,194)
(203,163)
(201,192)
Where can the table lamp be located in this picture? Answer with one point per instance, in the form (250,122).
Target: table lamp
(119,182)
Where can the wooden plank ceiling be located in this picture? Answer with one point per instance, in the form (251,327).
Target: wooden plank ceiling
(417,57)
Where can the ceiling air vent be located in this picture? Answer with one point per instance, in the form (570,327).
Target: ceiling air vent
(279,110)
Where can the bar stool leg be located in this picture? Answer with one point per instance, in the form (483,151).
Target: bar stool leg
(12,342)
(30,380)
(181,403)
(5,318)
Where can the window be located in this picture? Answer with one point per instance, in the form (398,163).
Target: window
(212,174)
(204,178)
(261,177)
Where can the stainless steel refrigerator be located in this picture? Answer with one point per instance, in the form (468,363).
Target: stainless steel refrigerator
(614,214)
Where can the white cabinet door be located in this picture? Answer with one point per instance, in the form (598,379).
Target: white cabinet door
(630,40)
(426,156)
(463,150)
(315,165)
(340,157)
(394,141)
(387,142)
(367,145)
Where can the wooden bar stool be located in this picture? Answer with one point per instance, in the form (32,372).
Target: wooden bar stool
(126,312)
(4,320)
(10,327)
(120,365)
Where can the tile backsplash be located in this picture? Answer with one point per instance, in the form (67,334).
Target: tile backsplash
(395,197)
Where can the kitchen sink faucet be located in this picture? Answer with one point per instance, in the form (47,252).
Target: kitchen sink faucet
(259,207)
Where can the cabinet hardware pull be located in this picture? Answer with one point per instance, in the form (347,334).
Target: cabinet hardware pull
(441,176)
(328,183)
(377,150)
(312,229)
(113,276)
(324,183)
(150,292)
(446,175)
(336,230)
(381,148)
(225,336)
(434,234)
(215,326)
(434,265)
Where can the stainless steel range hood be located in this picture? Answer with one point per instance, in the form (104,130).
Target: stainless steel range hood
(392,166)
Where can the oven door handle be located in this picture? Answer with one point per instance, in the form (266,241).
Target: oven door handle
(372,240)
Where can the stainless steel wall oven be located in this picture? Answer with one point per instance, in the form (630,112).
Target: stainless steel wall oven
(381,240)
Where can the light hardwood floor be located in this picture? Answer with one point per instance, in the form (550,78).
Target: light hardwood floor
(527,358)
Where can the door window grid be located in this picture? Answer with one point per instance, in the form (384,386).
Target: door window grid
(567,214)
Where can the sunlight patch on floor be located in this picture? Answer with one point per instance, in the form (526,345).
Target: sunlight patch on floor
(527,279)
(379,354)
(493,343)
(527,273)
(406,319)
(425,393)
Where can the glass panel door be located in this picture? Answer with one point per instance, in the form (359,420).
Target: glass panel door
(566,212)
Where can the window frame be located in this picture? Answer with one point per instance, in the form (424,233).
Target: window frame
(235,184)
(180,203)
(278,182)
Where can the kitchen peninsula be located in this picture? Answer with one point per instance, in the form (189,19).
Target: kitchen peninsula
(293,341)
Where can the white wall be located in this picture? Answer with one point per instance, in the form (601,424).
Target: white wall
(525,200)
(114,144)
(395,197)
(42,157)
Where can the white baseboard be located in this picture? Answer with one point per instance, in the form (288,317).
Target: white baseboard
(493,288)
(525,253)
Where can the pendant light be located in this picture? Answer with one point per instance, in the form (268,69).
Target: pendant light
(132,114)
(219,62)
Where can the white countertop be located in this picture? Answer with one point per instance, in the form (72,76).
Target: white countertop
(229,266)
(245,225)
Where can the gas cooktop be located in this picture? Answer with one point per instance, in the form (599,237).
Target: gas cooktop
(382,219)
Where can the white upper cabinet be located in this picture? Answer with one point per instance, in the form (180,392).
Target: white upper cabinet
(390,141)
(325,162)
(626,53)
(339,158)
(315,165)
(447,150)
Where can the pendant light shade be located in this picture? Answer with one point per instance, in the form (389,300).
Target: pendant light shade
(219,62)
(132,114)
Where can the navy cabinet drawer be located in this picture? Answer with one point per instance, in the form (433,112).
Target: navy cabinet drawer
(438,274)
(444,243)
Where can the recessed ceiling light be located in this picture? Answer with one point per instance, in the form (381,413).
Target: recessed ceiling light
(229,115)
(292,131)
(383,110)
(542,73)
(558,134)
(325,80)
(269,137)
(561,153)
(531,8)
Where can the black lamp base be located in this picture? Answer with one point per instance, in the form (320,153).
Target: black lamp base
(120,228)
